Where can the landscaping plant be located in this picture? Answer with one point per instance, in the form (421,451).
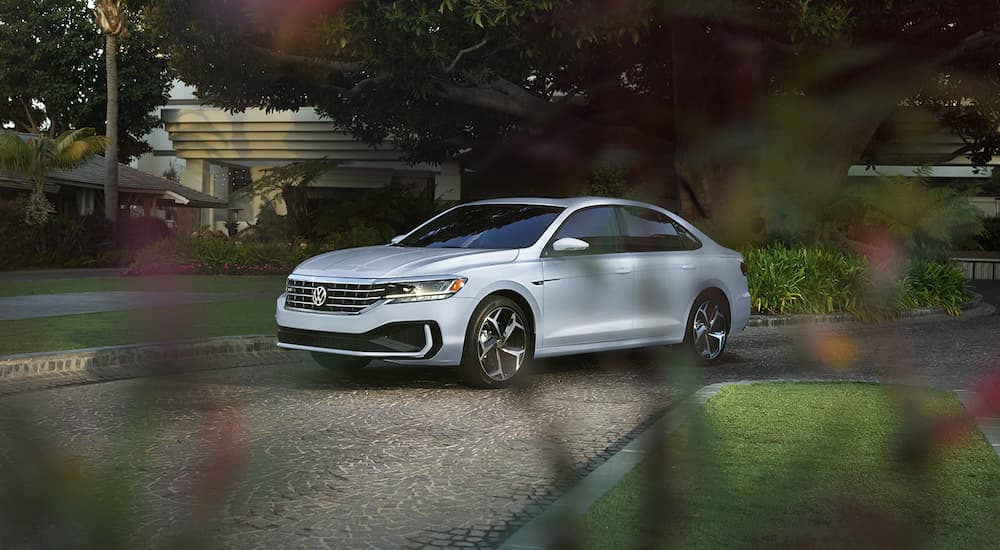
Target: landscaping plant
(822,280)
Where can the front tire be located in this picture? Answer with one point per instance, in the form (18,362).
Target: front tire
(340,363)
(707,327)
(499,342)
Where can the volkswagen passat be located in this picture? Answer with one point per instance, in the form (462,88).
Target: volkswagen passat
(489,285)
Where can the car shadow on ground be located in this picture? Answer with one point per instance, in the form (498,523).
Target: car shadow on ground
(304,374)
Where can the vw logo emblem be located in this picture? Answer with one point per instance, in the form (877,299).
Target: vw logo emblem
(319,296)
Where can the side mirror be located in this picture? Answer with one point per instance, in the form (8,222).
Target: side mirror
(396,239)
(568,244)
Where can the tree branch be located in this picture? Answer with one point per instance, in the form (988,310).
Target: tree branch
(31,120)
(499,95)
(486,98)
(464,51)
(338,66)
(952,155)
(973,43)
(353,91)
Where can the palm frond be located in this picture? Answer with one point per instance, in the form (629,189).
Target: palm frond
(78,152)
(73,147)
(15,153)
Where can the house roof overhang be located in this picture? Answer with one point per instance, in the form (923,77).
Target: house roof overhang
(257,137)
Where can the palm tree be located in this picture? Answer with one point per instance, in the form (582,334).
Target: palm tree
(111,18)
(34,157)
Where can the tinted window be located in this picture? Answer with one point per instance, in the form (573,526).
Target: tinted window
(651,231)
(485,226)
(597,226)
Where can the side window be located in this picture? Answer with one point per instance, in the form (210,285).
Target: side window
(651,231)
(598,227)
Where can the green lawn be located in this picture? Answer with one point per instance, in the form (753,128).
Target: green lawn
(228,318)
(184,283)
(808,465)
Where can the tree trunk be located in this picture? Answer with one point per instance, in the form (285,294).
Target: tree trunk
(719,81)
(298,210)
(111,153)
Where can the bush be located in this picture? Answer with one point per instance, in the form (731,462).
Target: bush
(933,284)
(212,252)
(349,216)
(62,241)
(804,280)
(990,237)
(821,280)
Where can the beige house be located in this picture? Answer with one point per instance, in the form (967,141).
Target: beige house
(207,146)
(924,142)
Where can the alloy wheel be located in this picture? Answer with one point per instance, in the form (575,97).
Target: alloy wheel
(502,344)
(709,330)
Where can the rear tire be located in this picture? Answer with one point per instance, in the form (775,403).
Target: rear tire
(340,363)
(499,343)
(707,327)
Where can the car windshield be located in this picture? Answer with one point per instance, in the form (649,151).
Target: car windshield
(485,226)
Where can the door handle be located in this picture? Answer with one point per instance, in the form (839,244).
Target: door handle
(689,266)
(623,270)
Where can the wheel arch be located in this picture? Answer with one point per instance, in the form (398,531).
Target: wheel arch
(522,299)
(714,287)
(521,295)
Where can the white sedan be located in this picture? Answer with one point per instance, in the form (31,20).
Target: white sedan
(489,285)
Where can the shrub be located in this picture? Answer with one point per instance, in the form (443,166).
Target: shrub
(820,280)
(805,280)
(990,237)
(609,182)
(933,284)
(929,221)
(64,240)
(212,252)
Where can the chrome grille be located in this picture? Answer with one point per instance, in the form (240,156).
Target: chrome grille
(341,297)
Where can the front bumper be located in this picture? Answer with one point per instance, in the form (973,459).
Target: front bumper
(413,340)
(430,332)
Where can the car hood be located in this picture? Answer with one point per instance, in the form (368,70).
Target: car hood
(377,262)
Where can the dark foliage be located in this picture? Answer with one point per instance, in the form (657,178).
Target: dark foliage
(52,72)
(990,239)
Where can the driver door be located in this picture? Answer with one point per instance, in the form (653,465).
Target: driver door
(587,295)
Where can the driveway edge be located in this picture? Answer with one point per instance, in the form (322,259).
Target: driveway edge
(544,529)
(45,369)
(988,426)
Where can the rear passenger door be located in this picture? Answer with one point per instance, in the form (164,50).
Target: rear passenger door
(666,271)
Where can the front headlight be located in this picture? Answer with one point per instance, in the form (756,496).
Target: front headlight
(422,291)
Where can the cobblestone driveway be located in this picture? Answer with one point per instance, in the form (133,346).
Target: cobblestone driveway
(400,457)
(404,457)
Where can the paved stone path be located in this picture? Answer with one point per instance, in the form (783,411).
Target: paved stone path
(71,303)
(397,458)
(405,457)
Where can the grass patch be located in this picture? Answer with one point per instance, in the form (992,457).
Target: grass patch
(811,465)
(228,318)
(178,283)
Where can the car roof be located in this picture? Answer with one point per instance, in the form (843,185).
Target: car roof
(567,202)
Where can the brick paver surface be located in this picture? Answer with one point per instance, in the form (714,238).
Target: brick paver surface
(399,457)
